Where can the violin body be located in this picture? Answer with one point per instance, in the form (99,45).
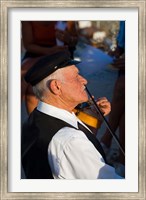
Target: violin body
(88,117)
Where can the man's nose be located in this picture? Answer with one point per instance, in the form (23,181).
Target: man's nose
(84,81)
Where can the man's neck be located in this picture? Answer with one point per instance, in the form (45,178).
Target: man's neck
(60,105)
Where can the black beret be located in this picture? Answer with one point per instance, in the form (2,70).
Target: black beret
(46,65)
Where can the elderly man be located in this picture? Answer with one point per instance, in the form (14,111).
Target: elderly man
(55,143)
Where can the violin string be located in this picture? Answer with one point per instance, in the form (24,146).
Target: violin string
(106,122)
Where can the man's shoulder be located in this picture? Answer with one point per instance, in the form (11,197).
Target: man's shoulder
(66,134)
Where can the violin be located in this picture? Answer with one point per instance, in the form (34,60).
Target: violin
(87,116)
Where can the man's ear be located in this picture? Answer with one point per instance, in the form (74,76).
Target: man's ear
(55,86)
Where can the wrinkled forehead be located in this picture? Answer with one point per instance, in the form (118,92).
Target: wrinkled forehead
(69,72)
(70,69)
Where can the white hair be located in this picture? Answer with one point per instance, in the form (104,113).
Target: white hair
(41,88)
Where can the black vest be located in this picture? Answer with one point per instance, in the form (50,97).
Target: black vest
(37,133)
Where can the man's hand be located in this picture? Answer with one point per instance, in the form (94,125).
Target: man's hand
(104,105)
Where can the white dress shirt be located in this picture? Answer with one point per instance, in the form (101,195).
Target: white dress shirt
(71,155)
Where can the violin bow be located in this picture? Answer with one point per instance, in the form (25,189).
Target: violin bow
(106,122)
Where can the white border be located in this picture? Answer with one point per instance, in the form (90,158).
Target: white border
(15,184)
